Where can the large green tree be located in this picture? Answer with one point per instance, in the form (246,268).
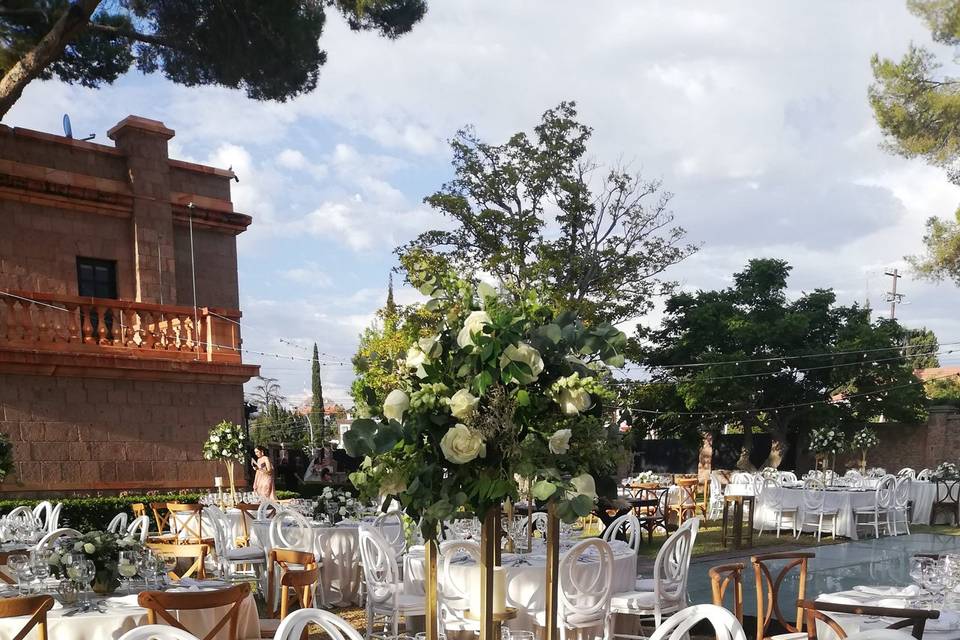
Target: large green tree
(922,348)
(271,49)
(540,216)
(738,347)
(917,105)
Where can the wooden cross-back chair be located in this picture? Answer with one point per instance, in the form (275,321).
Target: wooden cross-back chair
(34,606)
(161,517)
(186,523)
(139,509)
(299,585)
(815,610)
(723,576)
(195,552)
(768,589)
(284,560)
(686,504)
(159,604)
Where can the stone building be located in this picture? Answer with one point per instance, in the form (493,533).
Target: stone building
(119,310)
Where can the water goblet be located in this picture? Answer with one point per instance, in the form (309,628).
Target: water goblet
(85,571)
(935,579)
(40,567)
(148,566)
(19,563)
(918,568)
(127,566)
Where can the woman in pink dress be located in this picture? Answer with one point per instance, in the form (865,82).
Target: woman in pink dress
(263,481)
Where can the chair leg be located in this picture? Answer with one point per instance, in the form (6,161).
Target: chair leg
(369,622)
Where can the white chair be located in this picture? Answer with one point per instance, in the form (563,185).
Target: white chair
(118,524)
(741,477)
(814,512)
(293,626)
(670,570)
(769,493)
(385,596)
(454,594)
(907,472)
(899,511)
(725,624)
(290,530)
(539,519)
(140,528)
(229,556)
(924,475)
(53,522)
(629,526)
(390,526)
(870,516)
(159,632)
(41,514)
(47,541)
(268,509)
(22,513)
(584,589)
(787,477)
(715,508)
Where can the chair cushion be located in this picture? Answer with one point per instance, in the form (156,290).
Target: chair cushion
(574,620)
(408,604)
(633,601)
(644,584)
(247,553)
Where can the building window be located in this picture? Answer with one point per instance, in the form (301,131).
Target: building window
(96,278)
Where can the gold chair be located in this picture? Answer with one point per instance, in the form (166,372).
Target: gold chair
(768,591)
(161,516)
(284,561)
(34,606)
(297,586)
(686,499)
(186,523)
(159,604)
(721,577)
(196,552)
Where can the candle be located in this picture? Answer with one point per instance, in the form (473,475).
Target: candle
(499,591)
(218,482)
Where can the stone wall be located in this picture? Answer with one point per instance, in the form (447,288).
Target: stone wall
(75,433)
(216,268)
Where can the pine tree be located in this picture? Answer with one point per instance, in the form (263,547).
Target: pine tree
(317,415)
(390,310)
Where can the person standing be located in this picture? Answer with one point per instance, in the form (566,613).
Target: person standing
(263,483)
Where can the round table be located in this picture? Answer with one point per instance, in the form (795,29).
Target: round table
(122,613)
(526,583)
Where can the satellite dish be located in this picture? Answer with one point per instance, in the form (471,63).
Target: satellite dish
(67,129)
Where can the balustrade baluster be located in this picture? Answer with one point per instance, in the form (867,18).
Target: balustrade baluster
(147,327)
(102,331)
(169,337)
(87,325)
(129,325)
(58,326)
(5,319)
(72,328)
(40,320)
(25,322)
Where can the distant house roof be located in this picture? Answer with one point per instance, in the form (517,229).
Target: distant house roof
(329,408)
(936,372)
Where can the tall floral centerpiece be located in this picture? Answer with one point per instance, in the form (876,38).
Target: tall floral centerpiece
(227,442)
(504,389)
(864,440)
(826,443)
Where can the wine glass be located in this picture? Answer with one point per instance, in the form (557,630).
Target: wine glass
(19,563)
(147,563)
(40,566)
(127,566)
(918,569)
(85,571)
(935,579)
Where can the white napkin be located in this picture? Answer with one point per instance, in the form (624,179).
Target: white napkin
(838,599)
(194,584)
(902,592)
(947,621)
(891,603)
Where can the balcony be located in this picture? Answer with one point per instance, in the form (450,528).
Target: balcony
(57,330)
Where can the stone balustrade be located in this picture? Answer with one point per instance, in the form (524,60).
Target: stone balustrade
(71,324)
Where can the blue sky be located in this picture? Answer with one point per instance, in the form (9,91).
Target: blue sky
(753,113)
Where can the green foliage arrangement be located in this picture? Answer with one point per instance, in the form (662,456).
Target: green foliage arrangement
(101,548)
(506,388)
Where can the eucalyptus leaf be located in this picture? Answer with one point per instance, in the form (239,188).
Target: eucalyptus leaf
(543,489)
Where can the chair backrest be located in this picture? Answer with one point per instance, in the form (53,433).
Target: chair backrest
(50,539)
(539,520)
(22,513)
(741,477)
(390,526)
(672,565)
(814,495)
(721,577)
(138,509)
(268,509)
(217,528)
(768,588)
(279,562)
(140,528)
(196,552)
(41,513)
(301,583)
(34,606)
(901,492)
(585,587)
(761,484)
(161,516)
(852,473)
(118,524)
(379,566)
(915,618)
(157,632)
(716,489)
(687,494)
(293,626)
(290,530)
(53,522)
(248,513)
(907,472)
(787,476)
(629,526)
(886,492)
(159,604)
(449,550)
(679,625)
(186,520)
(924,475)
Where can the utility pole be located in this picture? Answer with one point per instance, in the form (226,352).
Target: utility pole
(893,297)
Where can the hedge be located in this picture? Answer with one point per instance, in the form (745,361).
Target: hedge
(95,513)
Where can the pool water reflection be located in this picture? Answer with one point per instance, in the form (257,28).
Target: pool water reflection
(837,567)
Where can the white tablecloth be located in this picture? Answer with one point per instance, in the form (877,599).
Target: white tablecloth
(842,501)
(526,584)
(934,629)
(123,614)
(922,494)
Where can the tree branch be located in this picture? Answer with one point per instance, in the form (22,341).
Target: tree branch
(130,34)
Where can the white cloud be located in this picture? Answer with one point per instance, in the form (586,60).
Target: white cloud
(310,273)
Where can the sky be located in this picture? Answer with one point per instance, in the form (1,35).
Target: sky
(753,114)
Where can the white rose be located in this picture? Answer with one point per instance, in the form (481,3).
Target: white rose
(573,401)
(88,548)
(77,546)
(560,441)
(463,404)
(431,346)
(415,357)
(584,485)
(395,405)
(526,354)
(214,439)
(461,444)
(343,511)
(474,323)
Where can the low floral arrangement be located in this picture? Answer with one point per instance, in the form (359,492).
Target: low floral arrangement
(827,441)
(99,547)
(876,472)
(337,504)
(945,471)
(645,477)
(504,388)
